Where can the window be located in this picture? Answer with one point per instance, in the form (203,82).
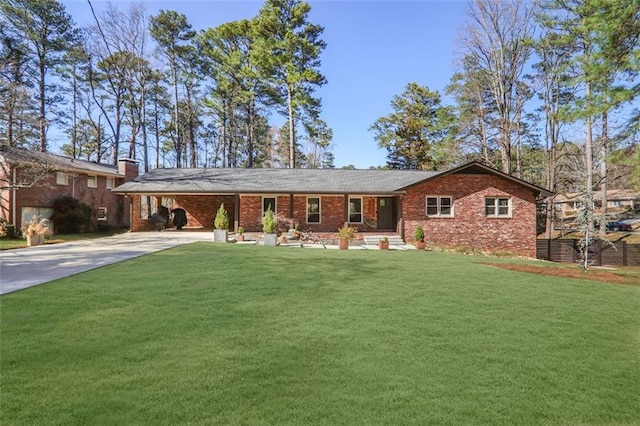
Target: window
(62,178)
(313,210)
(92,181)
(615,203)
(268,202)
(439,206)
(355,210)
(102,213)
(111,183)
(497,207)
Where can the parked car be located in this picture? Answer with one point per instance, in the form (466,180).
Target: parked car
(618,226)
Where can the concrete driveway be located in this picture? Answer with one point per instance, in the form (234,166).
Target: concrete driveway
(27,267)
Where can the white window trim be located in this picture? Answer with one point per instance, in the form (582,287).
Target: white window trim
(439,206)
(497,215)
(319,210)
(110,182)
(89,180)
(361,209)
(59,176)
(275,205)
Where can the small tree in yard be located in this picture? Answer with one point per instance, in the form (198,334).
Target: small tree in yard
(221,225)
(269,222)
(418,237)
(222,218)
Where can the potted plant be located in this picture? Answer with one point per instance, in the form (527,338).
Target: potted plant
(294,233)
(418,237)
(269,228)
(221,225)
(346,234)
(35,230)
(383,243)
(240,232)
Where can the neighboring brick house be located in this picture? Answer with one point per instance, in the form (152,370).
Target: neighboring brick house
(31,180)
(472,205)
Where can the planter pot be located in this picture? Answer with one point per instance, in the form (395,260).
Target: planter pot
(35,240)
(383,245)
(343,244)
(420,245)
(220,235)
(270,240)
(239,238)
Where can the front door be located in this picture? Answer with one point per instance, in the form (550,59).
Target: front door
(385,214)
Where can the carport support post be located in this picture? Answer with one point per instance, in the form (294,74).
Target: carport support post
(236,212)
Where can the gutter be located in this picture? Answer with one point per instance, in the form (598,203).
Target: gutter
(13,199)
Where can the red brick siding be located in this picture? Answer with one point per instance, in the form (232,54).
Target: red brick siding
(470,227)
(46,190)
(251,212)
(202,209)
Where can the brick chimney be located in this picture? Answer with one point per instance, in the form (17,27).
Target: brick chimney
(128,168)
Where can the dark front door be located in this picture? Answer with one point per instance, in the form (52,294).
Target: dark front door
(385,214)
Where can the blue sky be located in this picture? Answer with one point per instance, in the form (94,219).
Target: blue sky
(374,49)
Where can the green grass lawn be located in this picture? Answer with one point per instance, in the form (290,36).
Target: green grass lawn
(228,334)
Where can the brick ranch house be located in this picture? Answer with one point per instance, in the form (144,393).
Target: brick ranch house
(31,180)
(472,205)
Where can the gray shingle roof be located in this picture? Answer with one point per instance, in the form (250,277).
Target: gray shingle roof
(308,181)
(24,156)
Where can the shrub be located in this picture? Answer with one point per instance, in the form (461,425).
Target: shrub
(347,232)
(36,226)
(240,230)
(269,222)
(222,218)
(70,216)
(7,230)
(419,233)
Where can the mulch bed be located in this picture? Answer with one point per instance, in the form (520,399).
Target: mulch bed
(559,271)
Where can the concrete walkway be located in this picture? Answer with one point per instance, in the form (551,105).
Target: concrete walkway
(31,266)
(27,267)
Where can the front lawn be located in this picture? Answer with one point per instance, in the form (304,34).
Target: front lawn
(228,334)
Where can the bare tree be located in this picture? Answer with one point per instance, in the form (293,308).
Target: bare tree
(498,37)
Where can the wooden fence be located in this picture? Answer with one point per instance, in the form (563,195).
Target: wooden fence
(599,253)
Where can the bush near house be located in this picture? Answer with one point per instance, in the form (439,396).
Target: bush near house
(70,216)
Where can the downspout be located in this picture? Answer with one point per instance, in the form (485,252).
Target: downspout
(13,200)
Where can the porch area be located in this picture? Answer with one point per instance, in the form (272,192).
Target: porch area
(372,215)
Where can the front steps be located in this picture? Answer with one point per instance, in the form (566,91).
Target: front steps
(394,240)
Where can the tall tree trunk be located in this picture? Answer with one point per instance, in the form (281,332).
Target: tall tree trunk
(191,124)
(292,138)
(116,134)
(551,136)
(10,140)
(156,123)
(42,119)
(143,119)
(174,71)
(250,112)
(589,228)
(74,130)
(603,171)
